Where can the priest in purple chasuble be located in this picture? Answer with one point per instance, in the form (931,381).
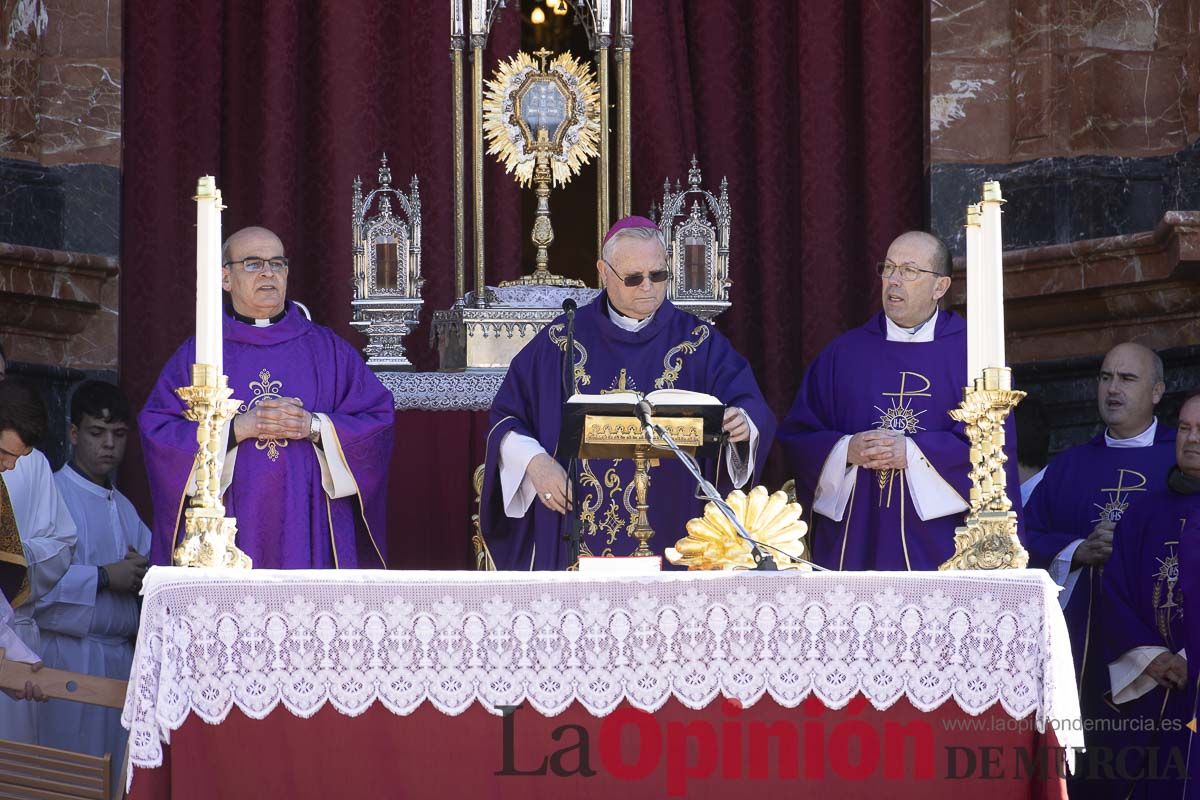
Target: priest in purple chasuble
(1077,509)
(305,473)
(1145,625)
(629,338)
(880,467)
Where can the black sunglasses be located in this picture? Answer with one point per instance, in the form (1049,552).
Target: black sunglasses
(657,276)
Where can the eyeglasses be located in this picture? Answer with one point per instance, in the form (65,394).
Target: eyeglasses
(255,265)
(908,272)
(655,276)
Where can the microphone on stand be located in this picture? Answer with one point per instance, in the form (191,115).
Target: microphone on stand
(568,308)
(574,535)
(644,411)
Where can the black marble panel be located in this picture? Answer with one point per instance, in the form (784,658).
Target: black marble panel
(91,209)
(1067,390)
(71,207)
(31,205)
(1060,200)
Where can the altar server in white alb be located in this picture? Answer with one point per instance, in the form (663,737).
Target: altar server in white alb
(90,619)
(36,533)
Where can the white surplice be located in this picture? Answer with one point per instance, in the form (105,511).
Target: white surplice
(85,630)
(48,538)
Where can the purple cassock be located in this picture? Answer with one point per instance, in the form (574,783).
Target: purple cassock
(1082,487)
(674,351)
(285,518)
(1142,605)
(1189,579)
(862,381)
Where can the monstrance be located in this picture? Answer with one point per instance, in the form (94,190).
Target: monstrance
(543,122)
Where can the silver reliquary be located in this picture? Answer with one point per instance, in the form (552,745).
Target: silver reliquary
(695,224)
(387,268)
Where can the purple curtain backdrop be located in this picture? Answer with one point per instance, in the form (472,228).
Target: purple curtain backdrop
(813,110)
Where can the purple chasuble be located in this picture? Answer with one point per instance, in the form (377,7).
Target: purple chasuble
(285,519)
(1081,487)
(1189,578)
(860,382)
(675,350)
(1142,604)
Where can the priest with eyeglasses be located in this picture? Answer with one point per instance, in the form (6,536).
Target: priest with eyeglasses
(878,462)
(630,338)
(308,452)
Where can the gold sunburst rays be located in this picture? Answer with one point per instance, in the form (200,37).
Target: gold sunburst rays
(573,142)
(713,543)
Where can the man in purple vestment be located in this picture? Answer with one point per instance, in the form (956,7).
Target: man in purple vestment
(630,338)
(1143,611)
(878,462)
(1075,511)
(305,474)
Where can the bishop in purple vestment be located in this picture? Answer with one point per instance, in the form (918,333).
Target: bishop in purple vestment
(629,338)
(878,461)
(309,450)
(1144,627)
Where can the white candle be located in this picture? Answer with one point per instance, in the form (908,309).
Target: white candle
(456,18)
(478,17)
(975,356)
(208,274)
(992,246)
(626,17)
(603,17)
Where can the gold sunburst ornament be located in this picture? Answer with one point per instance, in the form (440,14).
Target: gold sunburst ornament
(543,123)
(713,543)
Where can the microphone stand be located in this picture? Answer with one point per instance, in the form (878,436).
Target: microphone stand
(573,534)
(762,561)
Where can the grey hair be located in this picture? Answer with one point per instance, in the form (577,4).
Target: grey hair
(642,234)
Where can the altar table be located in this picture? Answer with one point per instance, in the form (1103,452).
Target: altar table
(268,684)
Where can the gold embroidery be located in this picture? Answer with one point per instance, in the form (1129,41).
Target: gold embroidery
(1118,496)
(622,383)
(673,361)
(899,417)
(265,389)
(13,567)
(1167,596)
(556,335)
(601,505)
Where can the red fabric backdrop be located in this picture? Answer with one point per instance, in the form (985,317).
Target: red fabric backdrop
(813,110)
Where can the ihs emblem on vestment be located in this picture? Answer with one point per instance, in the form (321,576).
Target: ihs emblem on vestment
(265,389)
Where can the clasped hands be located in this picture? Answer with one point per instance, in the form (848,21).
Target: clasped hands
(878,449)
(1168,670)
(550,479)
(274,418)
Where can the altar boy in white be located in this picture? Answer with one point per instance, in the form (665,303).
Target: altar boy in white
(36,532)
(90,619)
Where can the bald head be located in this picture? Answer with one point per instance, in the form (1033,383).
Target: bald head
(910,301)
(1130,386)
(259,294)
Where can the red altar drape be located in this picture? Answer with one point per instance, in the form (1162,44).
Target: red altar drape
(813,110)
(715,752)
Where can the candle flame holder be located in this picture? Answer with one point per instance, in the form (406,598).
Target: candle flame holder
(988,540)
(209,536)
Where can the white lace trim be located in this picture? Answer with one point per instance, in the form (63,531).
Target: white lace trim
(211,640)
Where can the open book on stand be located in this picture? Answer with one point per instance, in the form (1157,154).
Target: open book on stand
(618,410)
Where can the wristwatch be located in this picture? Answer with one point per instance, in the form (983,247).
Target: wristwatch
(314,429)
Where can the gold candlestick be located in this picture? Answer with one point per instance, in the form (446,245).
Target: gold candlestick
(641,481)
(988,540)
(209,535)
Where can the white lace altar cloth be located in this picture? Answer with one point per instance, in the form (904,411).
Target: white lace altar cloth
(211,640)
